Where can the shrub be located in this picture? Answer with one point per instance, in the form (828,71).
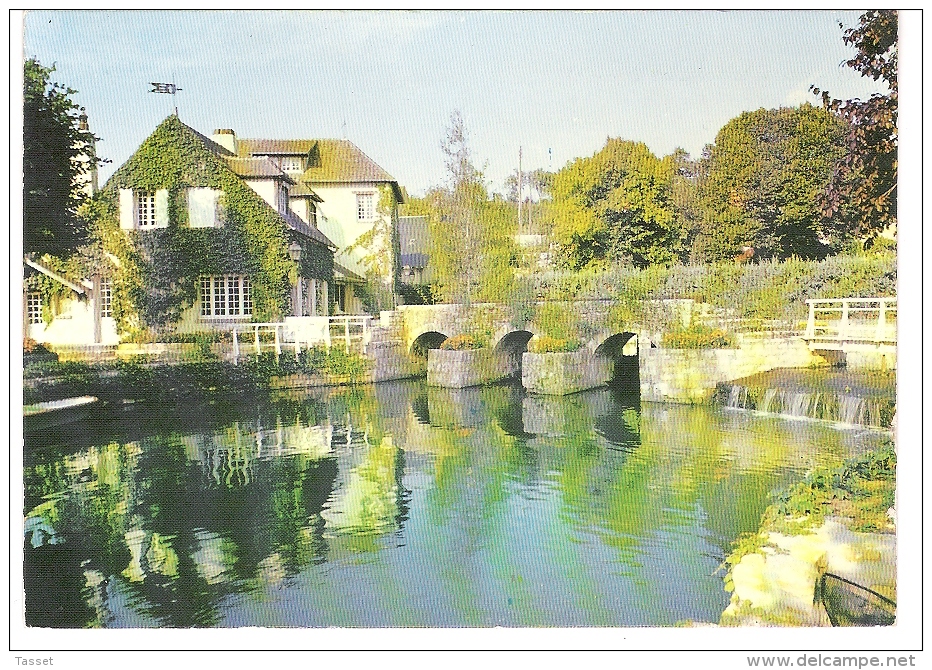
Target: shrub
(697,336)
(462,343)
(544,344)
(30,346)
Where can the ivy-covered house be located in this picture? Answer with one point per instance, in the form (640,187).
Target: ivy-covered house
(345,194)
(190,237)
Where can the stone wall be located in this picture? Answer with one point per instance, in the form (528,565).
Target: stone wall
(459,369)
(391,360)
(564,373)
(690,375)
(870,360)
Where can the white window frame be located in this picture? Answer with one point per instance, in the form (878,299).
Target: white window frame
(225,297)
(33,308)
(292,164)
(106,298)
(365,206)
(144,203)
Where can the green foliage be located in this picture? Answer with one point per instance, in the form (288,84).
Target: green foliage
(862,490)
(463,343)
(760,183)
(558,323)
(863,185)
(472,236)
(697,336)
(545,344)
(57,156)
(140,379)
(616,205)
(768,290)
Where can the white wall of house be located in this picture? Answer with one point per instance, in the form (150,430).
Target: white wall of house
(73,324)
(302,207)
(268,189)
(338,220)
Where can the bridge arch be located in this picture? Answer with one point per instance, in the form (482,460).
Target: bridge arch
(429,339)
(509,349)
(622,350)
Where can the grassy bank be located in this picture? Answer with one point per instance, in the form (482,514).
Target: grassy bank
(145,379)
(859,492)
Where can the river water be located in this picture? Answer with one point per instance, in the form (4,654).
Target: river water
(403,505)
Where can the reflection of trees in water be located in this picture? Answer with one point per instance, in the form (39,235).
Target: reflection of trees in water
(181,520)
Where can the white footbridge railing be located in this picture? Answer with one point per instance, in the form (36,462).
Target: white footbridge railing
(299,333)
(851,320)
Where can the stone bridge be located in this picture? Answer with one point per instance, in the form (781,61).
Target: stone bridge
(607,353)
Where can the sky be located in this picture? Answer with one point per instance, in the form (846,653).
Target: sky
(556,84)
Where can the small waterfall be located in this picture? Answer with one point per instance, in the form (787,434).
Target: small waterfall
(767,402)
(735,397)
(837,403)
(799,404)
(851,410)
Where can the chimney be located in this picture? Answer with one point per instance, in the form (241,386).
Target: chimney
(226,138)
(87,182)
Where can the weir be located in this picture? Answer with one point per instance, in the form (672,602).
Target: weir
(845,398)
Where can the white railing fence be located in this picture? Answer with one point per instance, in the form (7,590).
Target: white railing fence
(852,319)
(302,332)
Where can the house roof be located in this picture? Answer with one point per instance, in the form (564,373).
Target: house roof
(244,167)
(413,236)
(296,224)
(248,147)
(302,190)
(344,273)
(35,265)
(256,168)
(329,161)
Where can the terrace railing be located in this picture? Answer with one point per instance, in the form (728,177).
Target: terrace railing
(857,320)
(301,333)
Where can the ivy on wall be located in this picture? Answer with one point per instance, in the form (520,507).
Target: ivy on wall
(157,273)
(382,248)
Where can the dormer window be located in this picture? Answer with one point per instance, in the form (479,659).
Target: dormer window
(143,210)
(292,164)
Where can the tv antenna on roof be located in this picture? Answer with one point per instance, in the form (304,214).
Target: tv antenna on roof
(171,89)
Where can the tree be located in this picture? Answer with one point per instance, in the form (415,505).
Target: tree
(863,185)
(616,206)
(472,237)
(760,181)
(684,196)
(57,156)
